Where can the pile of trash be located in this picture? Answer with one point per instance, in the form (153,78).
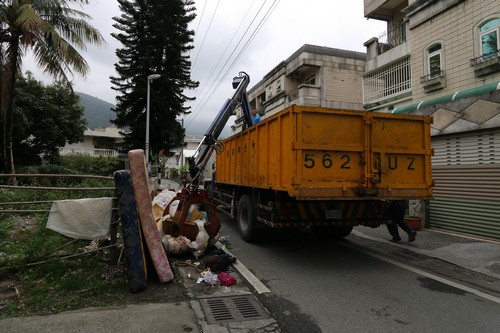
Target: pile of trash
(214,268)
(216,263)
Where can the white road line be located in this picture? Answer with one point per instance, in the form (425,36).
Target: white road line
(431,276)
(252,279)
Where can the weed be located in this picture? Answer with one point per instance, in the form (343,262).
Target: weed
(34,279)
(43,283)
(36,275)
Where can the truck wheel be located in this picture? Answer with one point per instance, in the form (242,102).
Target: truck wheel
(343,231)
(247,219)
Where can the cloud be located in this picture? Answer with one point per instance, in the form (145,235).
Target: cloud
(223,46)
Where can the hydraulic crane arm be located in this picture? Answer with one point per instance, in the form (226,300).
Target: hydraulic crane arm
(199,160)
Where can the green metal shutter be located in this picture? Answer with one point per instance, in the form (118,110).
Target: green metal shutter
(466,169)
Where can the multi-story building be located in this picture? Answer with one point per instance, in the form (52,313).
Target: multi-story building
(312,75)
(179,157)
(442,58)
(97,142)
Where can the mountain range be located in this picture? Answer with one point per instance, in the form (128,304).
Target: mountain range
(98,113)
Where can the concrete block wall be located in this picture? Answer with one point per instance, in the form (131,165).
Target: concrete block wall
(343,85)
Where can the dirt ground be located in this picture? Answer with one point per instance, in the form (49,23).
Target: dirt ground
(12,292)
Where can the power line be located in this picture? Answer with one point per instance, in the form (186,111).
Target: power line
(204,91)
(201,18)
(205,36)
(249,40)
(211,89)
(234,49)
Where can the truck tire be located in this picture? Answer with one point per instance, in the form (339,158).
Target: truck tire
(343,231)
(246,219)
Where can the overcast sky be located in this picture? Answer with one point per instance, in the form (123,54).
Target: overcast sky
(231,36)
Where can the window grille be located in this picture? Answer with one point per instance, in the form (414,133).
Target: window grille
(395,36)
(389,81)
(311,79)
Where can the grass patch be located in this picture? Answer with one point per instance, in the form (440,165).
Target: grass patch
(35,281)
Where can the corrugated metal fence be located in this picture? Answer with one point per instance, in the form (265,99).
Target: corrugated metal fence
(466,169)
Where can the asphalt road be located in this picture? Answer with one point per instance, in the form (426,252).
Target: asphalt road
(357,285)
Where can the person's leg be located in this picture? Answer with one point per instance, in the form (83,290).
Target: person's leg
(393,230)
(398,217)
(407,228)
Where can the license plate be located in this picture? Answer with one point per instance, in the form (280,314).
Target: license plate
(333,214)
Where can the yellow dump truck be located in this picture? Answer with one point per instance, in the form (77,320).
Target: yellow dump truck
(326,169)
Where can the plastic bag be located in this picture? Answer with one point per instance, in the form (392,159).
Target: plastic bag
(163,198)
(173,207)
(177,245)
(226,279)
(210,278)
(201,242)
(218,263)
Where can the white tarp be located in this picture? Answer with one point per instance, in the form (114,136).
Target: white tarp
(81,218)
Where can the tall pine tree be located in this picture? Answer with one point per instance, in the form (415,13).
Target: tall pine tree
(156,40)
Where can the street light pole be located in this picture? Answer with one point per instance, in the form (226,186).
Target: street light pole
(150,78)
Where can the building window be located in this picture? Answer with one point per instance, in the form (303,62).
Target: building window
(311,79)
(434,60)
(278,86)
(269,93)
(490,38)
(487,41)
(262,98)
(434,77)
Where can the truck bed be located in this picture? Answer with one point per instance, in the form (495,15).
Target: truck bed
(317,153)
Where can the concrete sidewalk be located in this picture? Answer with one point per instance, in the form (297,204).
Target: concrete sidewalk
(476,254)
(167,317)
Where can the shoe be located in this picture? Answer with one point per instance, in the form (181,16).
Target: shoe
(395,240)
(412,236)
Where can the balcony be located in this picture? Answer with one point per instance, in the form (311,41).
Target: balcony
(388,83)
(432,82)
(486,64)
(306,94)
(382,9)
(94,152)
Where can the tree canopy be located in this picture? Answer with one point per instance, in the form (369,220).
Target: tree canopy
(45,118)
(53,30)
(156,40)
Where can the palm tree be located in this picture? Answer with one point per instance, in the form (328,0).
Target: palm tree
(52,30)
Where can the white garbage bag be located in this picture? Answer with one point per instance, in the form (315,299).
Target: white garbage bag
(200,244)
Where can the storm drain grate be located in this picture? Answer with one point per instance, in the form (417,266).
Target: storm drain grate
(232,308)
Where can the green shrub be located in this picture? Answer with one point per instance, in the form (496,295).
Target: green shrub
(30,254)
(88,165)
(173,173)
